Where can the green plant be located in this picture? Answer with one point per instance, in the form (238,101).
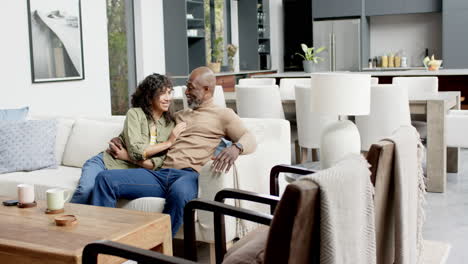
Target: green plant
(310,54)
(231,50)
(217,50)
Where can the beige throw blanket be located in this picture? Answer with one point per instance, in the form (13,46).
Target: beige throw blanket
(409,195)
(347,232)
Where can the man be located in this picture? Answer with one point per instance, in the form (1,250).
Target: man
(177,181)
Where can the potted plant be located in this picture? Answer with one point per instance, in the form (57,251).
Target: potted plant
(310,57)
(231,51)
(216,55)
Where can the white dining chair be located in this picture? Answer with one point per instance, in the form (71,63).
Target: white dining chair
(389,111)
(287,85)
(309,124)
(374,81)
(218,96)
(418,87)
(259,101)
(257,81)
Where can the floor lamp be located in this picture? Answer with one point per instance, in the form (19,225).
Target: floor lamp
(340,94)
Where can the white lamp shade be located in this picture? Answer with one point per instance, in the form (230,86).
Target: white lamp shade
(340,93)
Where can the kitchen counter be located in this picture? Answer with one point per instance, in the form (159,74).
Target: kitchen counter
(376,73)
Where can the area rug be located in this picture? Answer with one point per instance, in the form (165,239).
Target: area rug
(435,252)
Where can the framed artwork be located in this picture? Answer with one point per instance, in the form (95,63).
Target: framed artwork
(55,40)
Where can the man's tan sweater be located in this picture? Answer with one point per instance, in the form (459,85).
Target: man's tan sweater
(205,127)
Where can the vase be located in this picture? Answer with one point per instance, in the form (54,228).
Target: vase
(215,66)
(309,66)
(231,63)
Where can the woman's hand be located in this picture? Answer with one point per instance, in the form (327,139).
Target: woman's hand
(178,129)
(118,153)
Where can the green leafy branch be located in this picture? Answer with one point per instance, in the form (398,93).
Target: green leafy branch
(310,54)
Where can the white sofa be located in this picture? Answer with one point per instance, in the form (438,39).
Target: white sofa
(78,139)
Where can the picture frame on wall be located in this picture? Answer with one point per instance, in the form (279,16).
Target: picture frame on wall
(55,40)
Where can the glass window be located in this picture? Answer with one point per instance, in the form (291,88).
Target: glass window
(121,53)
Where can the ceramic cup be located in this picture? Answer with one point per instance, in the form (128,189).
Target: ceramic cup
(25,193)
(56,198)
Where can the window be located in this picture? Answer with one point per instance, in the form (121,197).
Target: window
(121,53)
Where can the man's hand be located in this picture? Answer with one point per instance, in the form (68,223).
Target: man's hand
(225,159)
(117,145)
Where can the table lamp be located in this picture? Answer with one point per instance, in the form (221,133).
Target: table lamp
(340,94)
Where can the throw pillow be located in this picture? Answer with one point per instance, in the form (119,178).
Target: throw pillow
(27,145)
(88,138)
(64,127)
(14,114)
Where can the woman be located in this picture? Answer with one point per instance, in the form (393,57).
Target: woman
(148,132)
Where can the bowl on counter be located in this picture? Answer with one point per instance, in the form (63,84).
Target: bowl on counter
(434,65)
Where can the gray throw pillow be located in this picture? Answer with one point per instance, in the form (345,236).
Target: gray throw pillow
(27,145)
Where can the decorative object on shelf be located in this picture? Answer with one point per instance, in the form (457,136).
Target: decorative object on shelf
(55,39)
(216,55)
(310,57)
(432,64)
(340,94)
(231,52)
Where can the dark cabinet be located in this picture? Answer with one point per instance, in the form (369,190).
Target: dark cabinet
(254,34)
(394,7)
(336,8)
(184,36)
(454,37)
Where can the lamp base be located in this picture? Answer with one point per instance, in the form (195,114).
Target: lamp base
(338,139)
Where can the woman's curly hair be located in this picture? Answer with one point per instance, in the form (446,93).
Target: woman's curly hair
(151,87)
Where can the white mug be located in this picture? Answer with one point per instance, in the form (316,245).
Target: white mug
(56,198)
(25,193)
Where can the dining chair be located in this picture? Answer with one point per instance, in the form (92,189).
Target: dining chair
(218,95)
(418,87)
(259,101)
(309,124)
(257,81)
(389,111)
(287,85)
(374,81)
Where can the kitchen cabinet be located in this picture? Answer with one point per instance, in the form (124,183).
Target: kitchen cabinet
(396,7)
(455,4)
(254,34)
(454,37)
(183,51)
(336,8)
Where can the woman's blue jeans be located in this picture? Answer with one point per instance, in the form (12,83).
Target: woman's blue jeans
(178,187)
(90,170)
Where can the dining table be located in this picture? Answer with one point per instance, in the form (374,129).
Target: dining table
(440,159)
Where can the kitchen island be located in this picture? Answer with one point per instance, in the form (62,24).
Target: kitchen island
(449,79)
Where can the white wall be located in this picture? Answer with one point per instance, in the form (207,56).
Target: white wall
(149,37)
(276,35)
(409,33)
(90,96)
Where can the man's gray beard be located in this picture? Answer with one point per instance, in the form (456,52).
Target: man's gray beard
(194,104)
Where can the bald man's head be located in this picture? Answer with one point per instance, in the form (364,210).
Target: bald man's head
(200,86)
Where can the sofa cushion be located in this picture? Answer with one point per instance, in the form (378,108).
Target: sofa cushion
(145,204)
(27,145)
(64,128)
(62,177)
(88,138)
(14,114)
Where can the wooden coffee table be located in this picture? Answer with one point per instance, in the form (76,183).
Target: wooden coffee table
(31,236)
